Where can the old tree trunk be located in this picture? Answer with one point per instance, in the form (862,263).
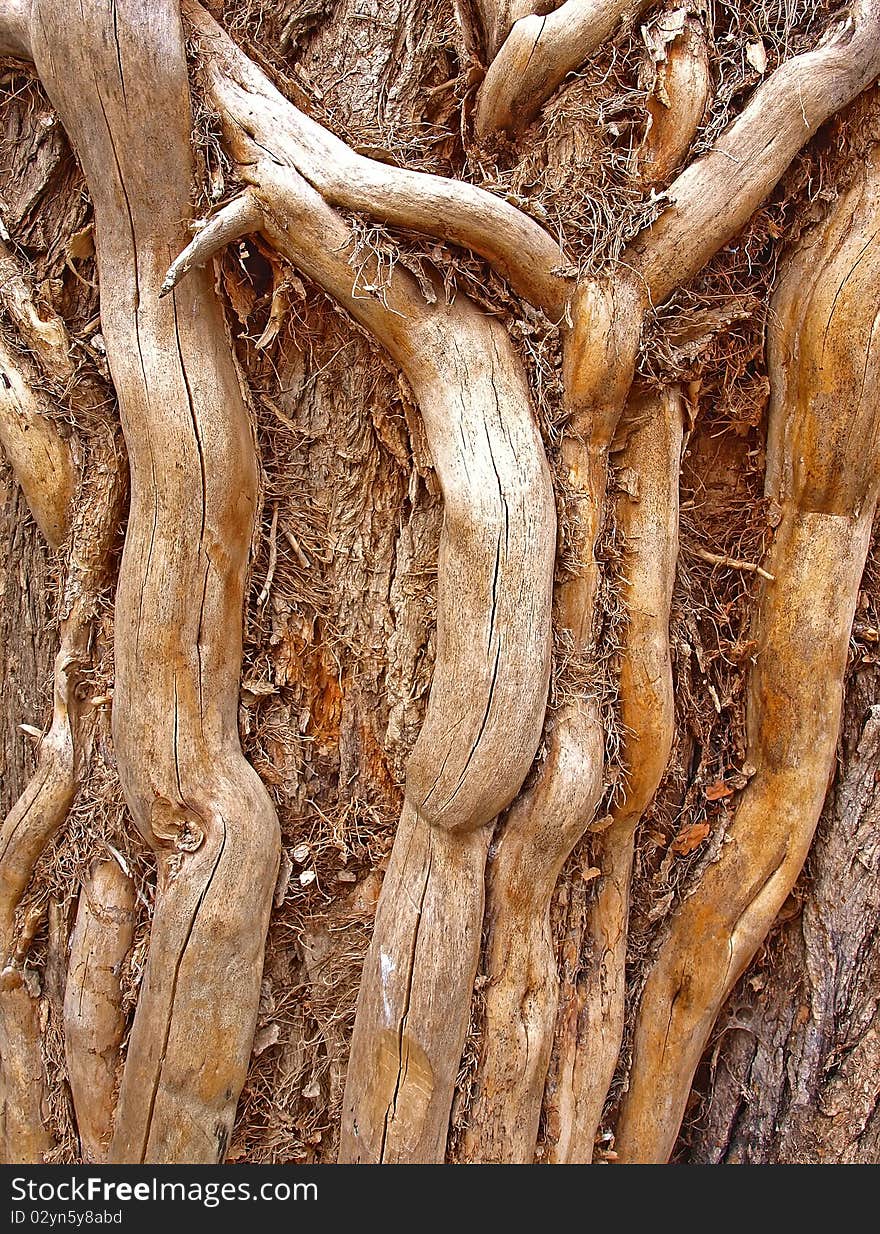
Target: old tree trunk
(441,704)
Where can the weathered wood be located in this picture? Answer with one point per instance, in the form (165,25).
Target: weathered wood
(178,606)
(94,1024)
(822,452)
(592,1016)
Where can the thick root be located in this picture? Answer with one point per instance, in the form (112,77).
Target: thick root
(179,600)
(822,471)
(493,642)
(716,195)
(544,825)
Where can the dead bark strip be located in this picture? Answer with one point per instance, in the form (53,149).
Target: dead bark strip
(676,104)
(93,1021)
(822,458)
(117,77)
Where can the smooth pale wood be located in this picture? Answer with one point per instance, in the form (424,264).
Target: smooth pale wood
(415,997)
(493,644)
(94,1024)
(717,194)
(498,542)
(547,821)
(519,248)
(591,1017)
(117,78)
(538,53)
(822,468)
(35,450)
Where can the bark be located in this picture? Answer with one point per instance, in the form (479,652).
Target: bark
(367,434)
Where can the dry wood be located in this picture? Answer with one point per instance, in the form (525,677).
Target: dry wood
(179,599)
(516,245)
(592,1014)
(538,53)
(94,1024)
(495,574)
(675,104)
(43,807)
(715,196)
(38,454)
(550,817)
(822,470)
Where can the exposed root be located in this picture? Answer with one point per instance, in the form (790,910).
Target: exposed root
(592,1019)
(42,809)
(538,53)
(38,454)
(179,597)
(515,244)
(716,195)
(547,821)
(822,471)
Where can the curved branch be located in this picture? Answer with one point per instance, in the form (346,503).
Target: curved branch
(493,645)
(715,197)
(513,243)
(823,444)
(179,599)
(538,53)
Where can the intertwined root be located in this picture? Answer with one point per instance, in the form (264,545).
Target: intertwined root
(822,473)
(193,499)
(591,1024)
(179,598)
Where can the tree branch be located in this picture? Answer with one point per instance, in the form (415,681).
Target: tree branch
(538,53)
(715,197)
(514,244)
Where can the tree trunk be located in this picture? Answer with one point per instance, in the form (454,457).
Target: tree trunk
(399,444)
